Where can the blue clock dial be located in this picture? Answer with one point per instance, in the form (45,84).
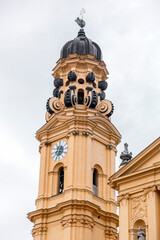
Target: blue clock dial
(59,150)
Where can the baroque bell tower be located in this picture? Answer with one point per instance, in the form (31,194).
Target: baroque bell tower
(77,150)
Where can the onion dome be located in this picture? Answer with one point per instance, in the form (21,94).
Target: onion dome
(81,45)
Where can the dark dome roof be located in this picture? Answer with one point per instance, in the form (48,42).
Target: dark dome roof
(81,45)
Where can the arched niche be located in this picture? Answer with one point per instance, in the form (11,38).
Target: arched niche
(139,222)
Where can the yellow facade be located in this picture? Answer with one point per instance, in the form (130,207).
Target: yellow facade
(138,184)
(77,213)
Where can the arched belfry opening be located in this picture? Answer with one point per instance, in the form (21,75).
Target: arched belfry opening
(81,96)
(95,182)
(60,180)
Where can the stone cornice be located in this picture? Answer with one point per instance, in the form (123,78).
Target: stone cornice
(133,176)
(153,188)
(66,124)
(112,201)
(45,212)
(127,196)
(72,61)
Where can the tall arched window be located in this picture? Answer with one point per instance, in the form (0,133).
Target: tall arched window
(61,180)
(95,182)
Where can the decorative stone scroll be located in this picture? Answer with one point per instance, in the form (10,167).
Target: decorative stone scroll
(39,230)
(78,221)
(70,97)
(111,233)
(54,105)
(105,108)
(139,207)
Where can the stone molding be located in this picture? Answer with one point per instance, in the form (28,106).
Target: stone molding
(77,221)
(126,196)
(65,125)
(72,204)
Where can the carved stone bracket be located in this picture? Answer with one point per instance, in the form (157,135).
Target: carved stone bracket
(111,233)
(38,230)
(78,221)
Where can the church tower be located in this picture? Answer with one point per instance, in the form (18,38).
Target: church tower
(77,151)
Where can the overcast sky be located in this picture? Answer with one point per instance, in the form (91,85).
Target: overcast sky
(31,36)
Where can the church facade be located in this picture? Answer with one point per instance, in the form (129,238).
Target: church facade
(138,184)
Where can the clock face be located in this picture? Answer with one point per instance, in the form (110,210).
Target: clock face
(59,150)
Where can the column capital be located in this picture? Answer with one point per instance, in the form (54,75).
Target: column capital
(121,197)
(153,188)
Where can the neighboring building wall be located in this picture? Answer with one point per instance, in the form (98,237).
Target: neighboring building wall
(138,184)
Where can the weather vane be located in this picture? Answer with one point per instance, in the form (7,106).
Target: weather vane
(79,20)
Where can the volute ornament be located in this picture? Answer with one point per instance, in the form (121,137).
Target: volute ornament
(105,108)
(70,98)
(94,99)
(54,105)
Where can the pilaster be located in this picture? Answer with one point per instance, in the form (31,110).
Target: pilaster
(123,202)
(153,205)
